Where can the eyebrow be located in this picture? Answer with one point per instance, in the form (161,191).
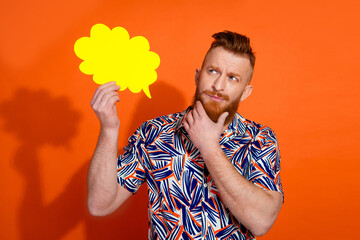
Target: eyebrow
(235,75)
(213,67)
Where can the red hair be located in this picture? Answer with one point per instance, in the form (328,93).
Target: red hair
(235,43)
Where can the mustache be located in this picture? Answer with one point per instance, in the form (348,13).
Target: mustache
(217,94)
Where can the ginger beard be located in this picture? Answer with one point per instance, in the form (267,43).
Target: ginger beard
(214,109)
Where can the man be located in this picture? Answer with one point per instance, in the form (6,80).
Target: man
(210,173)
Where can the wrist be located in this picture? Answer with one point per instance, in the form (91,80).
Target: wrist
(209,149)
(111,132)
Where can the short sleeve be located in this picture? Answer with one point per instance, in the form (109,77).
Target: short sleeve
(130,169)
(265,161)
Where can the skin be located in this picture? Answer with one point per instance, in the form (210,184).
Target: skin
(224,72)
(105,195)
(255,208)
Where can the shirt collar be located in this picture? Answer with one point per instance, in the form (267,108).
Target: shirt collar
(237,125)
(179,123)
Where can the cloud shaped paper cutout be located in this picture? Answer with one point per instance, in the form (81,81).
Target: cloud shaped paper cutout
(110,55)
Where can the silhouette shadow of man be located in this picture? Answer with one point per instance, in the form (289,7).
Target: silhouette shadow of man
(37,119)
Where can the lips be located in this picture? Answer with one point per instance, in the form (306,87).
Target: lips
(215,96)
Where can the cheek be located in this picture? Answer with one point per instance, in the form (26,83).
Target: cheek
(202,86)
(235,94)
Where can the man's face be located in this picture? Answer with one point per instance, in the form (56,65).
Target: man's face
(222,83)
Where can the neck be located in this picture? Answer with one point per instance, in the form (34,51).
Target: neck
(228,120)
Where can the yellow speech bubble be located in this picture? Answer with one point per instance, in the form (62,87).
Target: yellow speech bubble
(110,55)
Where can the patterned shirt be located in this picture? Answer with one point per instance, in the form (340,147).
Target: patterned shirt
(184,202)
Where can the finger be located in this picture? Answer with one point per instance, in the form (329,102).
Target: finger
(102,90)
(105,98)
(110,86)
(186,126)
(200,109)
(195,110)
(102,87)
(102,99)
(105,85)
(189,117)
(221,119)
(110,104)
(112,100)
(106,88)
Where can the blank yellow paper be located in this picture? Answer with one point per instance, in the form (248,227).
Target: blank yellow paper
(110,55)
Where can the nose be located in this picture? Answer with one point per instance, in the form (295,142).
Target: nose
(218,84)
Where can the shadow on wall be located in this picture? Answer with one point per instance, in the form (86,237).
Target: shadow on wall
(38,119)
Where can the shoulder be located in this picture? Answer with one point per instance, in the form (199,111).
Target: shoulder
(264,145)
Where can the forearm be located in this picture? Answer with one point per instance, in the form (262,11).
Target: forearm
(255,208)
(102,182)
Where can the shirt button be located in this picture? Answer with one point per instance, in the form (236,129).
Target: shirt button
(205,184)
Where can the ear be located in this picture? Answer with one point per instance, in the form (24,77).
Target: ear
(247,91)
(197,75)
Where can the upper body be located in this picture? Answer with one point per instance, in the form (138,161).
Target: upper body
(183,198)
(221,83)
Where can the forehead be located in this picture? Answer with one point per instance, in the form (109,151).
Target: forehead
(226,60)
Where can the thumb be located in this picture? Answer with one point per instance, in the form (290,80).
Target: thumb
(221,119)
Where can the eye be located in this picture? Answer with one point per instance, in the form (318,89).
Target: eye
(233,78)
(212,71)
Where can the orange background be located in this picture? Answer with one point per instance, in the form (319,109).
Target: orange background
(306,87)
